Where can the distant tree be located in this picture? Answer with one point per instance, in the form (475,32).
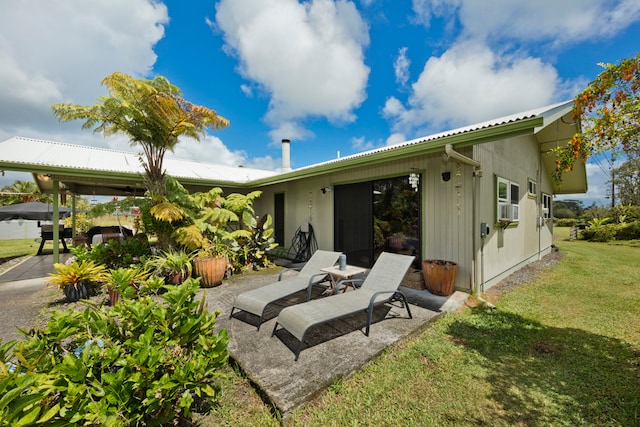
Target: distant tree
(609,111)
(151,112)
(567,208)
(627,181)
(22,192)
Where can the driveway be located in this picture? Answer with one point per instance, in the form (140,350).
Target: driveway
(20,305)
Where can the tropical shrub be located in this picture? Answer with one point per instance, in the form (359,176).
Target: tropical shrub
(146,361)
(599,230)
(628,231)
(117,254)
(83,222)
(175,266)
(566,222)
(254,249)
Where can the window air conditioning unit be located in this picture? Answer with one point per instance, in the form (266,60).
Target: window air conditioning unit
(509,212)
(515,212)
(505,212)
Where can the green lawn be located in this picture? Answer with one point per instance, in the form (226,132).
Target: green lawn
(563,350)
(19,247)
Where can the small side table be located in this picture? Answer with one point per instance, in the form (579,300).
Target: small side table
(336,274)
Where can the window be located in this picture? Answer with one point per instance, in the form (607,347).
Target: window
(546,206)
(532,189)
(508,200)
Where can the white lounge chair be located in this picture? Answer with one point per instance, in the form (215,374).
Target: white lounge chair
(256,300)
(379,287)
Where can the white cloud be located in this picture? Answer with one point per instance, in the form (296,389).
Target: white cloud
(361,144)
(246,89)
(289,130)
(543,20)
(401,66)
(395,138)
(489,72)
(60,51)
(308,57)
(471,83)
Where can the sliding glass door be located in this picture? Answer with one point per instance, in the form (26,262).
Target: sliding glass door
(376,216)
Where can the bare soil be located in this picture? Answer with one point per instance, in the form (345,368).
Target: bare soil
(525,274)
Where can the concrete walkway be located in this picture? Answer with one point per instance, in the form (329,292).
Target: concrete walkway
(332,352)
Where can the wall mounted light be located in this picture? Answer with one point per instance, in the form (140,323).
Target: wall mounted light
(446,176)
(325,190)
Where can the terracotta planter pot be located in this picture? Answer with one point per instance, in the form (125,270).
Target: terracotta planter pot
(211,270)
(177,278)
(114,296)
(440,276)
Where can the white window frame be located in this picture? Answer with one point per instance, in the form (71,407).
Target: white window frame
(546,206)
(507,205)
(532,188)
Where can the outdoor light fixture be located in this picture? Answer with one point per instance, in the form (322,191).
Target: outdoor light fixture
(414,181)
(325,189)
(446,176)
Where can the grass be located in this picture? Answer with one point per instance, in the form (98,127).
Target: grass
(18,247)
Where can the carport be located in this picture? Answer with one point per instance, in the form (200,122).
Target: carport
(87,171)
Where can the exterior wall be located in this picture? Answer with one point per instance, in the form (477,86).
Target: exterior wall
(19,229)
(508,249)
(446,210)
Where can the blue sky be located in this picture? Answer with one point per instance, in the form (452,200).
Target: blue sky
(332,76)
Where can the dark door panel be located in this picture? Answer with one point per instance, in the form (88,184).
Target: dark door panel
(353,230)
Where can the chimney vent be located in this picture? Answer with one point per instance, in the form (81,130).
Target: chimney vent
(286,155)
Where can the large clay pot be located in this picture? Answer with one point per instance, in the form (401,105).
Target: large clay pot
(211,270)
(440,276)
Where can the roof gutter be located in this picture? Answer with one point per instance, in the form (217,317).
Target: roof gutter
(448,149)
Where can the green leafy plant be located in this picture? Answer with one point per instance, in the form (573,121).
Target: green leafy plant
(146,361)
(600,230)
(117,254)
(78,278)
(125,282)
(176,266)
(255,249)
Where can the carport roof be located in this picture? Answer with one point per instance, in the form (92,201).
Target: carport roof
(92,170)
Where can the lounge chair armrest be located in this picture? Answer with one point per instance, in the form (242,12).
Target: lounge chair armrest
(354,281)
(372,301)
(316,278)
(285,270)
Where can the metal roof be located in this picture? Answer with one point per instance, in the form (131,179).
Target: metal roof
(64,155)
(87,170)
(541,112)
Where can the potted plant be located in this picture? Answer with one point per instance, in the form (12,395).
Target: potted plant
(124,281)
(439,276)
(174,266)
(75,279)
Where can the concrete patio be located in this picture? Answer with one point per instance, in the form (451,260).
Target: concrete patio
(332,352)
